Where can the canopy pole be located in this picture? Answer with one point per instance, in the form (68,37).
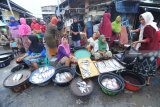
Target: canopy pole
(10,8)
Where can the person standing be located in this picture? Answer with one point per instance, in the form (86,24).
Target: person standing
(24,30)
(51,37)
(89,27)
(13,29)
(116,29)
(75,33)
(60,31)
(105,26)
(34,21)
(148,39)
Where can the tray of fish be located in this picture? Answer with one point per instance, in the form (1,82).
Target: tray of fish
(108,66)
(42,75)
(86,72)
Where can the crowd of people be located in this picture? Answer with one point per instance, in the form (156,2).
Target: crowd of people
(97,36)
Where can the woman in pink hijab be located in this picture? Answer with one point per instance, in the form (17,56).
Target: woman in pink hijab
(105,26)
(24,31)
(64,55)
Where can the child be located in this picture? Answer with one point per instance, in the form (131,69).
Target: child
(14,47)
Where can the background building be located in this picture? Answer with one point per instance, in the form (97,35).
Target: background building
(48,12)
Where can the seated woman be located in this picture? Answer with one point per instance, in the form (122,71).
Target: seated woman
(101,49)
(64,56)
(92,41)
(36,53)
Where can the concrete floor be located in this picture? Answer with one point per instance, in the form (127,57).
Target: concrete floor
(55,96)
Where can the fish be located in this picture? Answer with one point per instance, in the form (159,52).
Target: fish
(110,83)
(63,77)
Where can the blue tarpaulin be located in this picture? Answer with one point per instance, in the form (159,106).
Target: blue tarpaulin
(127,6)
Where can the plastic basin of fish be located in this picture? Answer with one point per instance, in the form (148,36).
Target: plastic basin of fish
(5,56)
(62,70)
(133,81)
(111,76)
(74,87)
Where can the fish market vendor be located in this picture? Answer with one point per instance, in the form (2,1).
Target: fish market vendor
(36,53)
(92,41)
(64,55)
(101,49)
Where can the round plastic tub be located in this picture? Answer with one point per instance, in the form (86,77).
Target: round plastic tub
(133,81)
(111,76)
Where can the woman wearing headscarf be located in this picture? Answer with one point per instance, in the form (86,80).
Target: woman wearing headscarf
(13,28)
(101,49)
(24,30)
(75,32)
(51,37)
(89,27)
(35,54)
(105,26)
(35,27)
(116,29)
(64,55)
(60,31)
(34,22)
(42,26)
(148,39)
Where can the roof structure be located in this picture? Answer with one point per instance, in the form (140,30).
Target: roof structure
(15,7)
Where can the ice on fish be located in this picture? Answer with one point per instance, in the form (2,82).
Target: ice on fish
(110,83)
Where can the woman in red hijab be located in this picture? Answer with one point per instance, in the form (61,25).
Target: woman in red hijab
(105,26)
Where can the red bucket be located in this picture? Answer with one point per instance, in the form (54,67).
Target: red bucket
(133,82)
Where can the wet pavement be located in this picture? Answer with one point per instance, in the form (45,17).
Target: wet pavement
(55,96)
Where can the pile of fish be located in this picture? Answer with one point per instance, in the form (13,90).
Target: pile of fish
(110,83)
(17,77)
(83,87)
(85,68)
(44,73)
(63,77)
(108,66)
(3,56)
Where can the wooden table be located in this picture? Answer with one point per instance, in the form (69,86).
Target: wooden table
(91,68)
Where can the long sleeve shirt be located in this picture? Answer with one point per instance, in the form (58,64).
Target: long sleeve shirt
(42,53)
(61,53)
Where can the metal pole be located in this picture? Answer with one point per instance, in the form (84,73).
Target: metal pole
(58,13)
(10,8)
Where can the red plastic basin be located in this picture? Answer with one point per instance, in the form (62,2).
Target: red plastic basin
(133,82)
